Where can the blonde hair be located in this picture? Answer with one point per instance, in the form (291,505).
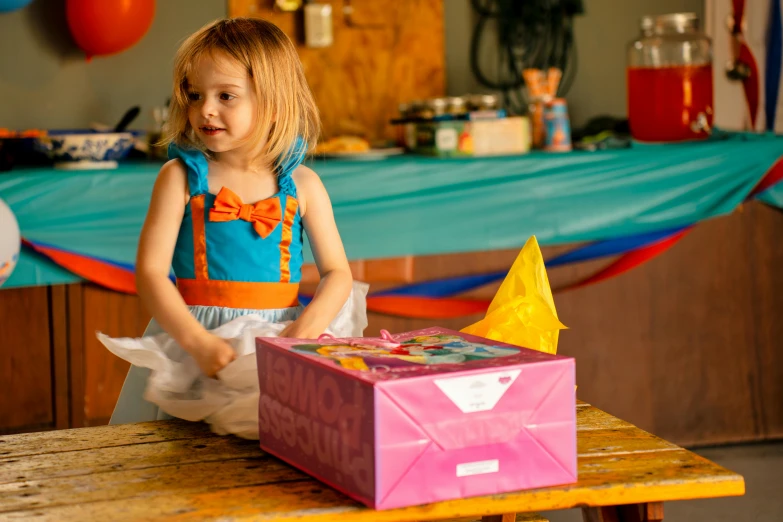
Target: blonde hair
(286,108)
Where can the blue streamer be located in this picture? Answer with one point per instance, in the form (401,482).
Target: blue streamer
(451,286)
(456,285)
(611,247)
(444,287)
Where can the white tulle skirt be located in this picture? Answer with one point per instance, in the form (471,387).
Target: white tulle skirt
(164,381)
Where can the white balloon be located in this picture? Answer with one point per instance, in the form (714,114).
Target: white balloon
(10,242)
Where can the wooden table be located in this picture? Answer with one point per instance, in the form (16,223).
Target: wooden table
(175,470)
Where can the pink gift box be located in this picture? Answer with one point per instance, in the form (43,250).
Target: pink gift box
(418,417)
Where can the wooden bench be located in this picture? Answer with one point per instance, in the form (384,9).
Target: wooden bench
(175,470)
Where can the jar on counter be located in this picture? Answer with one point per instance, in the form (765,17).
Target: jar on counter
(669,80)
(484,102)
(434,107)
(404,110)
(456,105)
(414,108)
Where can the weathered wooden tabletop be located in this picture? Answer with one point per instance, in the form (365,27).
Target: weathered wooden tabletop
(176,470)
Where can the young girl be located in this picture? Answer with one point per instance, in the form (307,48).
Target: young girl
(228,211)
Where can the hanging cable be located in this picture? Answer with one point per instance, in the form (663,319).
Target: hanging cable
(530,34)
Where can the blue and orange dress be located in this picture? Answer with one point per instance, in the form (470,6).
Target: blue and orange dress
(230,259)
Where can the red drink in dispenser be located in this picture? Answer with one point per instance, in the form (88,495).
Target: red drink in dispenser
(670,103)
(670,81)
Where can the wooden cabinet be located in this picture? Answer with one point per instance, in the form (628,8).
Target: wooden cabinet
(27,387)
(53,371)
(688,346)
(103,374)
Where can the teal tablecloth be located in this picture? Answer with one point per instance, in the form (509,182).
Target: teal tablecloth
(416,205)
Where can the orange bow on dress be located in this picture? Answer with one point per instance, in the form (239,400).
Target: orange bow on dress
(264,215)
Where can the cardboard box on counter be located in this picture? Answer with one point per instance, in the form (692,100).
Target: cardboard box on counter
(460,138)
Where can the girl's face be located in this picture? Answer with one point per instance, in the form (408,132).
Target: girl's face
(223,103)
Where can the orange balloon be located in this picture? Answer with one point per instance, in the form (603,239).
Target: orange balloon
(102,27)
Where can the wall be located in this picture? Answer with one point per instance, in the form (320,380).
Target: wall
(601,36)
(374,63)
(45,81)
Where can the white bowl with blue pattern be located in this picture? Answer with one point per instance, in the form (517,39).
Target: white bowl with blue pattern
(76,150)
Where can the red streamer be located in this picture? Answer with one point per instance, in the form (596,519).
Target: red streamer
(630,260)
(773,176)
(94,270)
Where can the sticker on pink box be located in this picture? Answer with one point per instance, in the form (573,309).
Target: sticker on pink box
(418,417)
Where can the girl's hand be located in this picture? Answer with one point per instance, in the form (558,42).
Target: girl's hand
(298,330)
(212,354)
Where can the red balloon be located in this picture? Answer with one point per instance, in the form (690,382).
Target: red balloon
(102,27)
